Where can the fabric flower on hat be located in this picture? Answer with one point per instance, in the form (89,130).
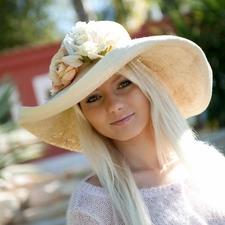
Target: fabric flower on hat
(85,43)
(89,42)
(61,74)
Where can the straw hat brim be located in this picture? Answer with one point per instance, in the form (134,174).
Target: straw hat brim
(179,63)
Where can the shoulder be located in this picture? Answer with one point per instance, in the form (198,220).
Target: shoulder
(93,180)
(208,163)
(210,155)
(87,203)
(205,152)
(87,189)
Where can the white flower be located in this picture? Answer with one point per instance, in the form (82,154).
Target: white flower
(85,43)
(88,41)
(73,60)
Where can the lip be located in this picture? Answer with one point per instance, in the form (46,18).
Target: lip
(122,121)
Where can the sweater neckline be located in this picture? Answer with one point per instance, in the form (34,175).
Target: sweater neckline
(175,186)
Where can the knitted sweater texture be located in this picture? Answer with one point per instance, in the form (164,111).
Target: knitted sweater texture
(174,204)
(179,203)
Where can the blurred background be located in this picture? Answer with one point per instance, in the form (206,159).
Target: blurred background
(36,179)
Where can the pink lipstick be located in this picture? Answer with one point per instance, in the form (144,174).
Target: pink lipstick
(123,121)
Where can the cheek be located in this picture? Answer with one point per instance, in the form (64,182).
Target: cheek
(143,104)
(93,116)
(140,99)
(98,120)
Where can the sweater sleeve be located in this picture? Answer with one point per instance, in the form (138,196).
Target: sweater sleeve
(78,217)
(210,170)
(79,211)
(211,164)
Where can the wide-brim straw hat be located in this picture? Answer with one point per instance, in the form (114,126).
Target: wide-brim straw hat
(179,63)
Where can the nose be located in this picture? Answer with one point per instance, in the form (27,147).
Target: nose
(114,104)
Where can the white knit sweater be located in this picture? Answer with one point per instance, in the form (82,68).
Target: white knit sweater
(174,204)
(180,203)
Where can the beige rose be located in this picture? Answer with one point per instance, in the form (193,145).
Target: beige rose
(61,74)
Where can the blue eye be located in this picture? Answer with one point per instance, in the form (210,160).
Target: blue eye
(124,84)
(93,98)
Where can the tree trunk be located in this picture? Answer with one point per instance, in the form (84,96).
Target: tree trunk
(79,7)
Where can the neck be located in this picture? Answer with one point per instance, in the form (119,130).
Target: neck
(141,157)
(140,153)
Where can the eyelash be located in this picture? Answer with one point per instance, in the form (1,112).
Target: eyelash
(122,85)
(93,98)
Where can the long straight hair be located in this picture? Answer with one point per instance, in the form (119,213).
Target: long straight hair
(171,133)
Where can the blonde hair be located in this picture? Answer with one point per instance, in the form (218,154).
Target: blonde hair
(169,128)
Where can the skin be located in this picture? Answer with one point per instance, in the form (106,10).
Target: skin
(119,110)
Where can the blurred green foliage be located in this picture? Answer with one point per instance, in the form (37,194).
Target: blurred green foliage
(16,145)
(203,21)
(7,88)
(25,22)
(13,152)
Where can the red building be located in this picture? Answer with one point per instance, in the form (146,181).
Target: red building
(28,68)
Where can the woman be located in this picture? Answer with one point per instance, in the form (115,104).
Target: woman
(124,103)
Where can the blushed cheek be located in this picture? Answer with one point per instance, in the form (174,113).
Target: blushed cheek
(92,118)
(84,109)
(81,105)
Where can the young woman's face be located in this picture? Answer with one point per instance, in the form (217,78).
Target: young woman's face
(117,109)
